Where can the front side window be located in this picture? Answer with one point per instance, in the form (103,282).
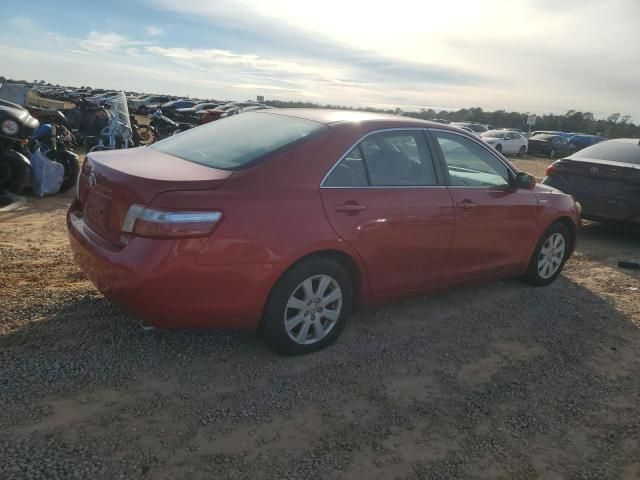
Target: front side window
(469,164)
(233,142)
(387,159)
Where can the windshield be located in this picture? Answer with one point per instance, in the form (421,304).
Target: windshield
(494,134)
(119,122)
(234,141)
(625,152)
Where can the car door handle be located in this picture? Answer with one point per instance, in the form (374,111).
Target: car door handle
(466,205)
(350,207)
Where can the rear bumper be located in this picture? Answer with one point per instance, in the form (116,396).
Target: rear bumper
(599,207)
(537,149)
(160,282)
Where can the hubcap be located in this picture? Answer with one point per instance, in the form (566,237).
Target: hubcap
(551,256)
(313,309)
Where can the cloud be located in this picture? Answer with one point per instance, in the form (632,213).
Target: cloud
(153,30)
(536,55)
(530,55)
(22,23)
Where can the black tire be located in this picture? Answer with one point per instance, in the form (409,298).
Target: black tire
(533,276)
(522,151)
(272,328)
(14,173)
(552,153)
(146,135)
(499,148)
(71,166)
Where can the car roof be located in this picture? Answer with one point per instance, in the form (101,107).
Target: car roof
(624,140)
(328,116)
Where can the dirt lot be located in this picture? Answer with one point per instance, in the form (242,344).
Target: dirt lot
(493,381)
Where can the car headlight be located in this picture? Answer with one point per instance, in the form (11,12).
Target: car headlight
(9,127)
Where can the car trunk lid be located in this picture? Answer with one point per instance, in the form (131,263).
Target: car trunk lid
(601,177)
(110,182)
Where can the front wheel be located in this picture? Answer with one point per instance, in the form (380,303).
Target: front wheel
(549,257)
(308,307)
(552,153)
(499,148)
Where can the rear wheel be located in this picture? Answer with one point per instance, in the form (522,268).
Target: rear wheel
(522,151)
(549,257)
(308,307)
(14,173)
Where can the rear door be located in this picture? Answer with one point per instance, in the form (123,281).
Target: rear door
(387,199)
(494,221)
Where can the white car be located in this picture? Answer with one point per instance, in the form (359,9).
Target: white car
(506,141)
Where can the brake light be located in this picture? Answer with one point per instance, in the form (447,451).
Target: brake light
(153,223)
(551,170)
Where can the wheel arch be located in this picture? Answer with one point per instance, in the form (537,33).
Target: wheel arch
(571,226)
(346,260)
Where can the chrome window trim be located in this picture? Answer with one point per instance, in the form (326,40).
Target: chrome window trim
(357,142)
(493,153)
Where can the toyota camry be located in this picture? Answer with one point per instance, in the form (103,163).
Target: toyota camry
(286,221)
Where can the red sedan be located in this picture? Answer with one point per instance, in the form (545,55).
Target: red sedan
(286,220)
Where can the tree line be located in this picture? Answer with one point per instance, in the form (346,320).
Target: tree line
(615,125)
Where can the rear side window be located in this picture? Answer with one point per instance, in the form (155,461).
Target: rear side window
(233,142)
(350,172)
(613,151)
(386,159)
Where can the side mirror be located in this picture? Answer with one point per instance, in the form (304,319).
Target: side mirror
(525,181)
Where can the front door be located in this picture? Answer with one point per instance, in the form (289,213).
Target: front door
(493,219)
(385,199)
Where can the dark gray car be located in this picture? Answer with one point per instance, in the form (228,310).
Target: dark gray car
(604,178)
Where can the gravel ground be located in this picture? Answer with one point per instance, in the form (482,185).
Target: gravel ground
(494,381)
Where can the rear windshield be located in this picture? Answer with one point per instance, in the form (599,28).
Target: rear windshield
(232,142)
(613,151)
(543,136)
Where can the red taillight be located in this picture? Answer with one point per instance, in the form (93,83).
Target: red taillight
(153,223)
(551,170)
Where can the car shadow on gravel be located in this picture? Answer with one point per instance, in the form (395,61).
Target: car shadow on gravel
(501,380)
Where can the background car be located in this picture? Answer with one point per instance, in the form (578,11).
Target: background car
(604,178)
(169,108)
(581,141)
(552,132)
(210,115)
(138,105)
(506,141)
(550,145)
(189,113)
(476,127)
(202,229)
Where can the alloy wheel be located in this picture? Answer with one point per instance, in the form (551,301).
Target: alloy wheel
(313,309)
(551,255)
